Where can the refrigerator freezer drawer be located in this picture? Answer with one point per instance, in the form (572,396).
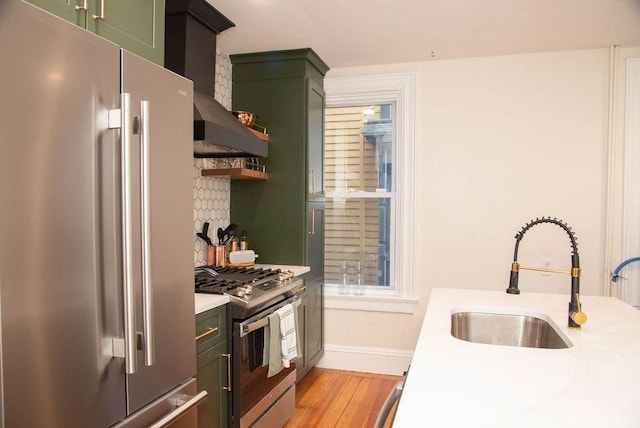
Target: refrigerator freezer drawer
(160,409)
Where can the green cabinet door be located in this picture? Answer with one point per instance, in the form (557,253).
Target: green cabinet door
(70,10)
(315,140)
(212,377)
(311,325)
(314,331)
(137,26)
(301,364)
(213,359)
(315,241)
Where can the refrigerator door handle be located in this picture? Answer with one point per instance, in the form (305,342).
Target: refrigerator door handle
(147,291)
(126,136)
(183,407)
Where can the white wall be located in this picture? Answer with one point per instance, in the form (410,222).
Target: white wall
(500,141)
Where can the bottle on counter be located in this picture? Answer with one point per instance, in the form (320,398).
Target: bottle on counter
(233,245)
(244,244)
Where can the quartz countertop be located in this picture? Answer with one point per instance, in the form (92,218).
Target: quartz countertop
(204,302)
(594,383)
(297,270)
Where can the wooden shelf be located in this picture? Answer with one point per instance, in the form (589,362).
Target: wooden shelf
(236,173)
(261,135)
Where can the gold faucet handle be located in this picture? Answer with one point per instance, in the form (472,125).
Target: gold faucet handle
(579,317)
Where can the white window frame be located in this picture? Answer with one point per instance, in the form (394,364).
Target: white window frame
(398,90)
(627,289)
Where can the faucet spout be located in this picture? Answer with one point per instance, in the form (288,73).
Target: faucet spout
(576,316)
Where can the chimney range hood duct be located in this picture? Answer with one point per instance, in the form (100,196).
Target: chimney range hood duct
(191,27)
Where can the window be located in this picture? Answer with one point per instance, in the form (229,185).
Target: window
(359,194)
(369,192)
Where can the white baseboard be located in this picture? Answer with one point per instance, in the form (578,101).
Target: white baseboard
(367,360)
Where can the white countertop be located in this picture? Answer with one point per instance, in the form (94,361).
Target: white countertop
(594,383)
(297,270)
(204,302)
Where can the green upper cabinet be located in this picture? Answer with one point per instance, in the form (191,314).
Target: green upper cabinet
(285,90)
(315,143)
(70,10)
(137,26)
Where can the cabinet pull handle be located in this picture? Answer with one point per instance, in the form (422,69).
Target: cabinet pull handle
(207,333)
(228,387)
(101,16)
(83,6)
(313,222)
(313,181)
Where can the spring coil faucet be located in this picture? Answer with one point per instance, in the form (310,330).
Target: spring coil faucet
(576,316)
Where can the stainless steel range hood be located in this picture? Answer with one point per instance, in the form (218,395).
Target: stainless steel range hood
(191,27)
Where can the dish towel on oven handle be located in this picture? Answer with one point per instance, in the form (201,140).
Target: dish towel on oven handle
(272,355)
(288,333)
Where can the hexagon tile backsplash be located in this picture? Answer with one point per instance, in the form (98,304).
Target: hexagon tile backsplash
(212,196)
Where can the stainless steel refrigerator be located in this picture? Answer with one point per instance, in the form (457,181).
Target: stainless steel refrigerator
(96,252)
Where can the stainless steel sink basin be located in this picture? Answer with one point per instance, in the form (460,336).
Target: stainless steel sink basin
(507,330)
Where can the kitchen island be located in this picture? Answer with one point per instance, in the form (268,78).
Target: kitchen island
(593,383)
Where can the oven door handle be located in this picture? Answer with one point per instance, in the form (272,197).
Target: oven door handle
(245,329)
(256,324)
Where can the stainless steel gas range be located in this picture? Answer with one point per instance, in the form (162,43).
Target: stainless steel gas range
(254,293)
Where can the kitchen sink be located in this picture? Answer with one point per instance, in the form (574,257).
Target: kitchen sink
(507,330)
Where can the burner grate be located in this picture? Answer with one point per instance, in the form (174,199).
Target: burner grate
(229,278)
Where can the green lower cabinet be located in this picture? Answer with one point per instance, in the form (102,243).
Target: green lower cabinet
(311,325)
(212,377)
(301,364)
(137,26)
(213,362)
(314,332)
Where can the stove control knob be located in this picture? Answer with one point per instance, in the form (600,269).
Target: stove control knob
(248,290)
(283,277)
(240,292)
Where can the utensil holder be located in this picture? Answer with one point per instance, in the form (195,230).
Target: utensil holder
(211,256)
(220,255)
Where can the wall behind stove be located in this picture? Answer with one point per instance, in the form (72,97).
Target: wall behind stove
(211,196)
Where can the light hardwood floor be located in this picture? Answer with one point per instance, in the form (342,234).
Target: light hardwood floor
(335,398)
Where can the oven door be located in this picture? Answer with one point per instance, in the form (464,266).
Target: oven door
(259,399)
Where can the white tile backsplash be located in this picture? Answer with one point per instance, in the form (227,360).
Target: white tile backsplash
(211,196)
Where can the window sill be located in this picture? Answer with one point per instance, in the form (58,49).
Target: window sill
(372,303)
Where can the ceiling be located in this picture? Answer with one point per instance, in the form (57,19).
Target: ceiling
(348,33)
